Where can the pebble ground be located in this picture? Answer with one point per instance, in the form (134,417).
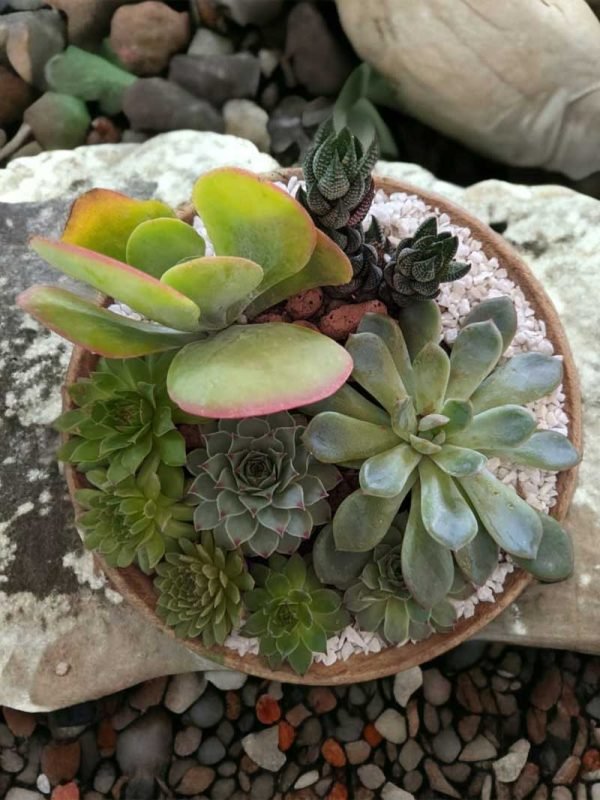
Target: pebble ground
(485,721)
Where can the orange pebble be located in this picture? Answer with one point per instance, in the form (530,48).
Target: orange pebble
(372,735)
(333,753)
(591,760)
(233,705)
(338,792)
(106,738)
(268,710)
(287,734)
(68,791)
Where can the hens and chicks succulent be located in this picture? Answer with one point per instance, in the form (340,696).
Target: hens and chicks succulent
(193,435)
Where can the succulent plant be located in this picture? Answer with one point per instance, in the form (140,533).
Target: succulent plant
(430,427)
(258,486)
(365,259)
(291,613)
(200,589)
(267,249)
(124,414)
(139,518)
(421,262)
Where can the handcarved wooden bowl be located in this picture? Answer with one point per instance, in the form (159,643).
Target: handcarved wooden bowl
(138,589)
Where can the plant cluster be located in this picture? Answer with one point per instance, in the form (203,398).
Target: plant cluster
(210,443)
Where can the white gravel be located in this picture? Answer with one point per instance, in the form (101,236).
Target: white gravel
(400,215)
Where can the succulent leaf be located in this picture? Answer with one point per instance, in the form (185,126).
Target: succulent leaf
(348,401)
(499,310)
(389,332)
(336,438)
(157,244)
(252,218)
(219,285)
(446,514)
(420,324)
(247,370)
(459,461)
(336,567)
(478,558)
(375,370)
(502,426)
(474,355)
(385,474)
(431,368)
(98,330)
(554,559)
(459,413)
(139,291)
(543,449)
(102,220)
(522,379)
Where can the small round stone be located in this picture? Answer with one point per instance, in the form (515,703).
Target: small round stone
(436,688)
(392,726)
(371,776)
(211,751)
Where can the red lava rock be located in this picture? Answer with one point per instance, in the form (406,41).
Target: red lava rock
(196,780)
(106,738)
(371,735)
(60,761)
(233,705)
(269,316)
(546,692)
(412,716)
(536,725)
(146,35)
(68,791)
(568,771)
(343,321)
(305,304)
(303,323)
(20,723)
(591,760)
(148,694)
(337,792)
(287,734)
(104,131)
(467,695)
(333,753)
(267,709)
(321,699)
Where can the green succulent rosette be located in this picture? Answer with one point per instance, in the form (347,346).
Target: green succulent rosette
(258,486)
(200,589)
(138,519)
(124,413)
(425,426)
(291,613)
(420,263)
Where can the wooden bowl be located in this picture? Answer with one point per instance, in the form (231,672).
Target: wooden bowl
(138,589)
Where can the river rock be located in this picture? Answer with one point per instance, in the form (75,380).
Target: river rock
(247,120)
(154,104)
(526,90)
(217,78)
(32,38)
(15,96)
(406,684)
(87,21)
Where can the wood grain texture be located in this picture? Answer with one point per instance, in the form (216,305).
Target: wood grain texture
(138,590)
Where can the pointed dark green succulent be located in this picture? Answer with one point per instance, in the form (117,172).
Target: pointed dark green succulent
(292,614)
(365,257)
(421,262)
(258,486)
(138,518)
(337,170)
(200,589)
(124,414)
(430,426)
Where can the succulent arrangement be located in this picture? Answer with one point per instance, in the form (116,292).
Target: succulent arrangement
(271,481)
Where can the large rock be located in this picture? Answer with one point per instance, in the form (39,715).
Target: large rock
(515,80)
(64,635)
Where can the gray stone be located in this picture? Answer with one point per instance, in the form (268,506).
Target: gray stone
(23,794)
(480,749)
(371,776)
(350,726)
(105,777)
(208,710)
(145,746)
(187,741)
(446,745)
(307,779)
(252,12)
(392,726)
(392,792)
(508,768)
(406,684)
(593,707)
(30,39)
(437,781)
(226,680)
(184,690)
(436,688)
(222,789)
(208,43)
(410,755)
(357,752)
(217,78)
(263,749)
(211,751)
(262,787)
(11,761)
(155,104)
(247,120)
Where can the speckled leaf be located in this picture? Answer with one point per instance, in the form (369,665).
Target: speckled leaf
(219,285)
(374,369)
(501,311)
(420,323)
(554,560)
(351,403)
(102,220)
(250,217)
(427,566)
(333,565)
(157,244)
(335,438)
(445,512)
(248,370)
(479,558)
(363,520)
(327,266)
(386,473)
(509,520)
(521,379)
(389,331)
(503,426)
(431,369)
(474,355)
(139,291)
(459,461)
(543,450)
(98,330)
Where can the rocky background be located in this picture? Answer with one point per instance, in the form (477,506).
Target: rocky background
(76,72)
(486,722)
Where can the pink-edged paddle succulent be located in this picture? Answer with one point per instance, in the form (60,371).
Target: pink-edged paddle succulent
(266,249)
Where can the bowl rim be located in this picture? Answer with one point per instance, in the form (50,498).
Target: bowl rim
(137,588)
